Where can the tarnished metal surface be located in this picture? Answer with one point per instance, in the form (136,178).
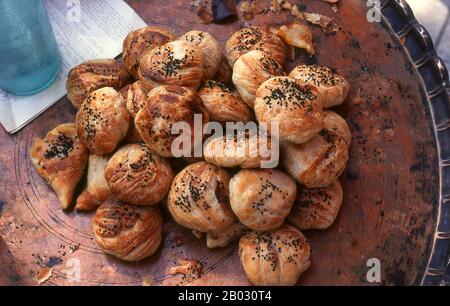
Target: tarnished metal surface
(391,184)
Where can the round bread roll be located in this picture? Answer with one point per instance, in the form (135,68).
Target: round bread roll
(223,104)
(135,98)
(242,150)
(333,88)
(251,70)
(137,176)
(262,199)
(274,258)
(255,38)
(316,208)
(166,106)
(320,161)
(128,232)
(175,63)
(92,75)
(210,48)
(296,109)
(103,121)
(199,198)
(140,41)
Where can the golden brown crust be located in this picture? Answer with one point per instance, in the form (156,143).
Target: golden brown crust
(242,150)
(128,232)
(262,199)
(296,109)
(136,98)
(275,258)
(60,158)
(223,238)
(137,176)
(199,198)
(210,48)
(251,70)
(332,87)
(97,190)
(92,75)
(166,106)
(175,63)
(317,208)
(103,121)
(320,161)
(140,41)
(255,38)
(223,104)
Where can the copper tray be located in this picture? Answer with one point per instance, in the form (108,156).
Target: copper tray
(397,191)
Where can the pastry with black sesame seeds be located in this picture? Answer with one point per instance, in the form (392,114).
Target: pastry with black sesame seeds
(274,258)
(97,190)
(139,42)
(251,70)
(223,103)
(137,176)
(262,198)
(103,121)
(320,161)
(61,159)
(255,38)
(175,63)
(240,150)
(295,108)
(211,51)
(199,198)
(332,87)
(316,208)
(165,107)
(92,75)
(128,232)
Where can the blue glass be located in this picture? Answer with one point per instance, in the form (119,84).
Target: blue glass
(29,56)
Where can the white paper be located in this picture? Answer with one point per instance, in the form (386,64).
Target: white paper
(84,30)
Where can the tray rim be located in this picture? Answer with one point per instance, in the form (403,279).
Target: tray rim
(437,268)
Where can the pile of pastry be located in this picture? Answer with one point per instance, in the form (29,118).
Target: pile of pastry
(122,139)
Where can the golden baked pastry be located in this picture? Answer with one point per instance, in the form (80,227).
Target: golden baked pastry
(320,161)
(135,98)
(175,63)
(274,258)
(224,104)
(316,208)
(242,150)
(97,190)
(137,176)
(223,238)
(296,109)
(262,199)
(332,87)
(138,42)
(166,106)
(128,232)
(198,198)
(134,103)
(210,48)
(255,38)
(251,70)
(60,158)
(92,75)
(103,121)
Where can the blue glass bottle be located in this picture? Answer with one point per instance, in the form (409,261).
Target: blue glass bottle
(29,56)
